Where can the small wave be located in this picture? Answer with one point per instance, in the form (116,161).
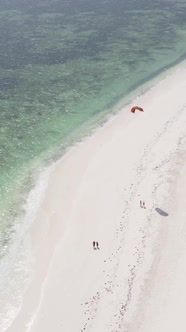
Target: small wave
(16,264)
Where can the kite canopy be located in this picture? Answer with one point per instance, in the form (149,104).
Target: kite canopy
(136,108)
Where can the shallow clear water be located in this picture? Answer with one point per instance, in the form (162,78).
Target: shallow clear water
(61,63)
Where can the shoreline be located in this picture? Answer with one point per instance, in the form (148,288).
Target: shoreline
(49,158)
(85,164)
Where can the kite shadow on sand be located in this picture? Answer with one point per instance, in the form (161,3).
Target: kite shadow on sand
(161,212)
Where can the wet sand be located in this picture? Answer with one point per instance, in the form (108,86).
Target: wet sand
(135,281)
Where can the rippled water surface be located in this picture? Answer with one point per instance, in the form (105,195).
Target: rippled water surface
(63,64)
(64,61)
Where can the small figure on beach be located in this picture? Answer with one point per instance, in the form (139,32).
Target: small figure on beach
(142,204)
(95,245)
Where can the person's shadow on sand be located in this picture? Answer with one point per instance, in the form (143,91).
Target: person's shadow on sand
(161,212)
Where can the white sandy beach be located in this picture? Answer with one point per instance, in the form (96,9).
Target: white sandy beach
(136,281)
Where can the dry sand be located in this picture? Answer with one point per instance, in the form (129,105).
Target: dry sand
(135,282)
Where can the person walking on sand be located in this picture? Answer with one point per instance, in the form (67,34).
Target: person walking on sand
(94,245)
(142,204)
(97,244)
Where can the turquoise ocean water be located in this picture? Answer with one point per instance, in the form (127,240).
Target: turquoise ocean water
(63,64)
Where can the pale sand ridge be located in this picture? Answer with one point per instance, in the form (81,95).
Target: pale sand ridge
(93,194)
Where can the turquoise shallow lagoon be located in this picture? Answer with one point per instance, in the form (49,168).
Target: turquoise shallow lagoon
(65,63)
